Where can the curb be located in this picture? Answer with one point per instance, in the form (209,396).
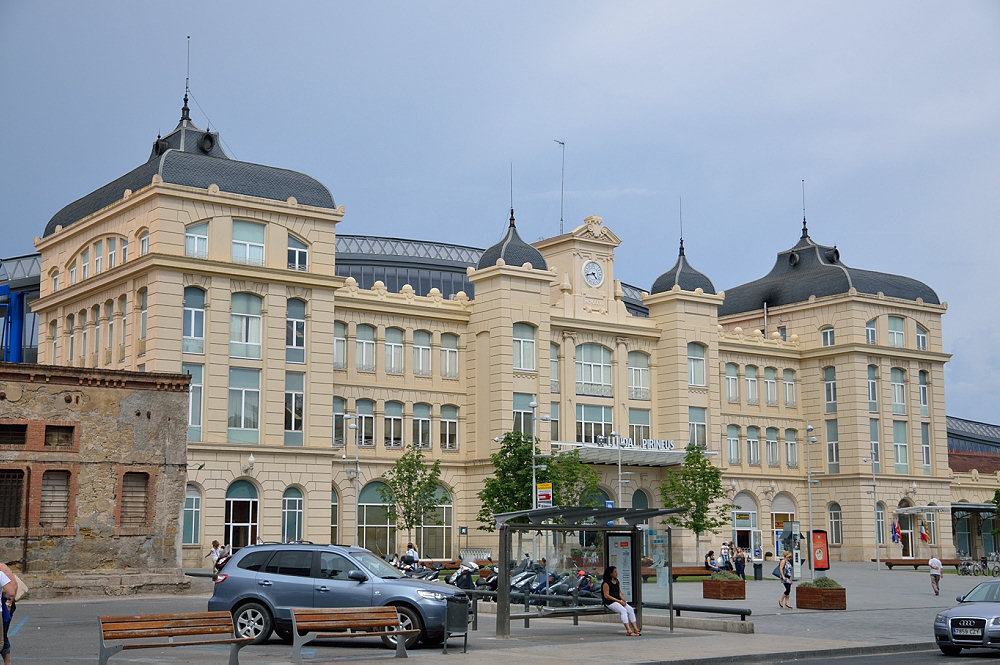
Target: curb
(801,654)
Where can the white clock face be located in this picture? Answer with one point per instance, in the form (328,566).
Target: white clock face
(593,273)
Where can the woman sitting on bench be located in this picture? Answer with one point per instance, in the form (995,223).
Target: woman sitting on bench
(710,561)
(611,595)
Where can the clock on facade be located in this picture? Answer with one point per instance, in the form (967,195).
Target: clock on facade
(593,273)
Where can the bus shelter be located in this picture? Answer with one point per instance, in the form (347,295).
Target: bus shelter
(621,545)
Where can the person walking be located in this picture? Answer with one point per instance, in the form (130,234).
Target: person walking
(786,579)
(724,556)
(215,552)
(611,596)
(740,561)
(9,590)
(936,568)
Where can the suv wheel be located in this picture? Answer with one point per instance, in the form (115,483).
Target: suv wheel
(408,620)
(253,620)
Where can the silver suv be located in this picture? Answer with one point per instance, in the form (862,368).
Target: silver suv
(261,583)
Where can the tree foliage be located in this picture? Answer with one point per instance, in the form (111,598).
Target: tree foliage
(413,484)
(509,488)
(696,487)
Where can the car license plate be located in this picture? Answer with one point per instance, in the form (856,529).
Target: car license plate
(971,632)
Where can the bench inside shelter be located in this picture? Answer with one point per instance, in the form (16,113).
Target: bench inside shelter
(147,631)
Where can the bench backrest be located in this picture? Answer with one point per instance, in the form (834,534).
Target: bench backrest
(342,618)
(166,625)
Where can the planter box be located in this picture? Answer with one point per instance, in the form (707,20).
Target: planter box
(811,598)
(724,589)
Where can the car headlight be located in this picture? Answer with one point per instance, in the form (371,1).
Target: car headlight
(431,595)
(995,621)
(942,619)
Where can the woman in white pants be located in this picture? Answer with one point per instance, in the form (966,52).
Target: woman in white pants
(611,594)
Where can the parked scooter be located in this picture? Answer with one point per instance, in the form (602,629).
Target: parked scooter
(462,578)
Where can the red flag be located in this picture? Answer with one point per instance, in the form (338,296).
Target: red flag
(923,534)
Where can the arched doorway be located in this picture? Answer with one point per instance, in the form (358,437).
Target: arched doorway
(782,510)
(905,531)
(746,533)
(375,530)
(291,515)
(242,518)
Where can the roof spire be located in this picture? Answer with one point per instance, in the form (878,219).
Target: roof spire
(185,111)
(512,216)
(805,230)
(680,213)
(681,252)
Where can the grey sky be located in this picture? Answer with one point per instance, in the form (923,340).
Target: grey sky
(411,113)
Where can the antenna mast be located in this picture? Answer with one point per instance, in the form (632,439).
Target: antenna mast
(562,183)
(805,231)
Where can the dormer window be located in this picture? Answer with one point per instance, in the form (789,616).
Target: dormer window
(196,241)
(298,255)
(827,334)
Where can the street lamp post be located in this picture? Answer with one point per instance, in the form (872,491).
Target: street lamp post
(875,508)
(534,484)
(809,481)
(356,472)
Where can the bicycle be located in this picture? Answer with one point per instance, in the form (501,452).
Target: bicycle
(965,566)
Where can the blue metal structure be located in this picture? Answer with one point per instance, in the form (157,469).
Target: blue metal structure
(19,285)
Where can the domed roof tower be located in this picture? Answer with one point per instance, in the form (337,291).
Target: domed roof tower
(682,275)
(513,251)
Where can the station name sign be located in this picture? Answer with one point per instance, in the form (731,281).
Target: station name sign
(641,444)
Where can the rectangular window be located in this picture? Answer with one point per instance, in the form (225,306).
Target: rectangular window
(244,405)
(248,243)
(393,351)
(197,373)
(422,425)
(898,392)
(523,421)
(896,336)
(58,435)
(880,524)
(832,447)
(245,318)
(553,368)
(124,250)
(11,496)
(192,517)
(294,407)
(338,422)
(13,435)
(98,257)
(554,421)
(931,528)
(870,332)
(751,378)
(112,253)
(638,375)
(339,345)
(364,349)
(770,386)
(366,423)
(733,443)
(193,324)
(421,353)
(697,428)
(55,282)
(753,446)
(836,531)
(921,339)
(196,241)
(789,376)
(295,331)
(72,274)
(135,496)
(393,425)
(111,328)
(143,298)
(449,356)
(54,509)
(593,370)
(85,264)
(449,427)
(771,447)
(925,446)
(732,386)
(828,336)
(593,423)
(638,425)
(791,448)
(872,389)
(830,389)
(298,255)
(899,446)
(873,435)
(144,244)
(924,398)
(696,365)
(524,347)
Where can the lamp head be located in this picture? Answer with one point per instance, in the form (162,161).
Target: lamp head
(809,428)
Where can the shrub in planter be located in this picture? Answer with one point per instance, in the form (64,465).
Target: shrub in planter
(822,594)
(724,585)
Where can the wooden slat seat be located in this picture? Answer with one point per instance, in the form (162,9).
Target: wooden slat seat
(689,571)
(917,563)
(340,622)
(150,629)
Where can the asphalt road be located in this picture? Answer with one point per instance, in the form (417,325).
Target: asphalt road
(907,658)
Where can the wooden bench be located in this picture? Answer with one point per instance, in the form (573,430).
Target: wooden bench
(329,623)
(690,571)
(148,627)
(916,563)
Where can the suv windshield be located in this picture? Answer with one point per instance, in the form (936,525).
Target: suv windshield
(376,566)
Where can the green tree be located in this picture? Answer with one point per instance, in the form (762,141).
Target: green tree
(509,487)
(696,487)
(573,482)
(412,492)
(996,502)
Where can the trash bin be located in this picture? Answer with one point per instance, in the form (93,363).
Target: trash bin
(758,571)
(456,620)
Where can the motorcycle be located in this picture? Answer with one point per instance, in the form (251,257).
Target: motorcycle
(462,578)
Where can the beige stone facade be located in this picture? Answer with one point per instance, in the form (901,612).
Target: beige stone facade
(93,469)
(451,374)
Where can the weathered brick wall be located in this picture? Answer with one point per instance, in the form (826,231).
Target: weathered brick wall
(123,422)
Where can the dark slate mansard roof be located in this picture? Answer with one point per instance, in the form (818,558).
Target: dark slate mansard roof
(809,269)
(513,251)
(194,157)
(682,275)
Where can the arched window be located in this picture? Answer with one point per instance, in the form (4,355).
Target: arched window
(192,516)
(751,378)
(364,349)
(54,343)
(732,382)
(449,427)
(880,523)
(696,364)
(921,338)
(298,254)
(836,524)
(242,519)
(55,280)
(295,331)
(376,531)
(144,243)
(638,374)
(339,345)
(753,446)
(593,370)
(872,389)
(554,368)
(640,500)
(830,388)
(83,338)
(334,517)
(109,309)
(71,332)
(924,397)
(434,536)
(393,425)
(196,240)
(421,353)
(898,378)
(85,264)
(193,326)
(245,326)
(393,351)
(771,446)
(770,386)
(524,346)
(827,336)
(789,380)
(422,425)
(365,409)
(870,332)
(291,515)
(449,356)
(733,443)
(791,448)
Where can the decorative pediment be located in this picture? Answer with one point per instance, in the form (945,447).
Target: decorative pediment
(593,229)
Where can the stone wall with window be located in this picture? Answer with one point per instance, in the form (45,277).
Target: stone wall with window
(92,469)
